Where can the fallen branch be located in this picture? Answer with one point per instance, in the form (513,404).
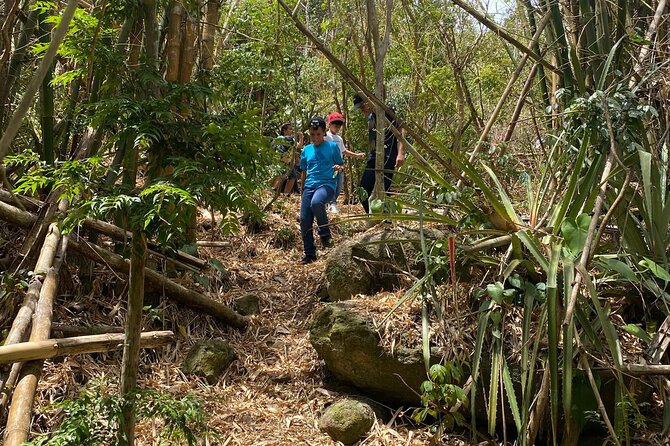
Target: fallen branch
(120,265)
(51,348)
(183,295)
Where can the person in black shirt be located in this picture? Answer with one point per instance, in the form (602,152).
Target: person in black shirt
(394,153)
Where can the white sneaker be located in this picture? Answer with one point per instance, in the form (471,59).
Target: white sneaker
(332,208)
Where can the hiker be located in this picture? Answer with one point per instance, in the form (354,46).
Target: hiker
(287,144)
(321,162)
(394,152)
(335,123)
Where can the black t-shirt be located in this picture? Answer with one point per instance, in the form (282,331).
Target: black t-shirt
(390,140)
(283,143)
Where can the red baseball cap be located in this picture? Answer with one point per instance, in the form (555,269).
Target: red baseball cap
(335,116)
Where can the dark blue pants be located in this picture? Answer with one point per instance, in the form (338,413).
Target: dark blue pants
(313,205)
(368,178)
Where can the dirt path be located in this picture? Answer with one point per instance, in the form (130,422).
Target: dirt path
(276,390)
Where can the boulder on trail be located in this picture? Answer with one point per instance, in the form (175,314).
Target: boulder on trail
(347,420)
(247,305)
(209,358)
(371,262)
(350,347)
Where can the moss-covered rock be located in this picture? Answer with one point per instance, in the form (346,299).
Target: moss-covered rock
(370,262)
(347,420)
(247,305)
(209,358)
(349,345)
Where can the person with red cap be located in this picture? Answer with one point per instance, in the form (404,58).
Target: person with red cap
(335,123)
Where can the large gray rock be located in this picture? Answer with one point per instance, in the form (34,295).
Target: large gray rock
(349,345)
(347,420)
(209,358)
(370,262)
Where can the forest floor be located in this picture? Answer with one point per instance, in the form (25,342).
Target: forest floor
(274,393)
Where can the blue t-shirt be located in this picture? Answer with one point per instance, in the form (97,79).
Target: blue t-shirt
(318,162)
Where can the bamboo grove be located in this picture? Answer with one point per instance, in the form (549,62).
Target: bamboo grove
(541,141)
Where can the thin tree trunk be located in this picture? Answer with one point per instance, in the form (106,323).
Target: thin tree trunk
(8,89)
(208,34)
(47,100)
(131,350)
(173,42)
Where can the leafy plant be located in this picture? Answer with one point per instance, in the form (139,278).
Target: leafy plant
(439,394)
(93,418)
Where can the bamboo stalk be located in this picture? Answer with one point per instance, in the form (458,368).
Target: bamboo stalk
(51,348)
(47,99)
(23,318)
(18,420)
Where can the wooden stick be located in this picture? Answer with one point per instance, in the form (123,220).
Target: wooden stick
(51,348)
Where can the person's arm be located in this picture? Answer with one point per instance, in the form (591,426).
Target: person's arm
(359,155)
(400,159)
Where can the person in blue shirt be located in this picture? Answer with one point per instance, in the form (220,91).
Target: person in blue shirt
(320,162)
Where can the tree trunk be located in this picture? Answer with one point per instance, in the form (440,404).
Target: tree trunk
(131,348)
(47,100)
(208,34)
(380,47)
(173,42)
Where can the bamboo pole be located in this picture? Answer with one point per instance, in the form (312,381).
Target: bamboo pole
(18,421)
(76,330)
(51,348)
(23,318)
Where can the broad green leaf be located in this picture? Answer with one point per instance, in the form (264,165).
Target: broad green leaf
(655,269)
(619,267)
(575,233)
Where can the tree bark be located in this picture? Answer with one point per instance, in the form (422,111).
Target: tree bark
(208,34)
(173,42)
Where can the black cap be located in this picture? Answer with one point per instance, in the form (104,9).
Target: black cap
(317,122)
(358,100)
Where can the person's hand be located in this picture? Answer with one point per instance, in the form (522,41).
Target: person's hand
(400,160)
(359,155)
(338,167)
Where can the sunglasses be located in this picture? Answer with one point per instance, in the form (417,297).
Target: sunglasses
(336,123)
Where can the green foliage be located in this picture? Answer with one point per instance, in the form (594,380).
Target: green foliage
(72,179)
(439,394)
(93,418)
